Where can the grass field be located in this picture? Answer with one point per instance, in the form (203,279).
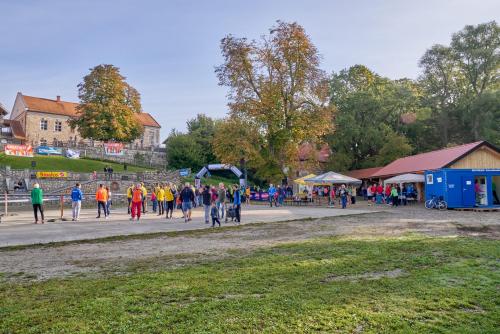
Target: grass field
(54,163)
(411,284)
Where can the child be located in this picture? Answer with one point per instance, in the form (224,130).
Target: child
(154,200)
(214,213)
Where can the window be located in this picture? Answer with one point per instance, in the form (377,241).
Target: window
(44,124)
(58,126)
(43,142)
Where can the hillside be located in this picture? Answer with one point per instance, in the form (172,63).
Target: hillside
(54,163)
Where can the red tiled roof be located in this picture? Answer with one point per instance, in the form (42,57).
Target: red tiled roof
(364,173)
(425,161)
(69,109)
(17,129)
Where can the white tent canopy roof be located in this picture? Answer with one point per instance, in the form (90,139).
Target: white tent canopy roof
(332,178)
(406,178)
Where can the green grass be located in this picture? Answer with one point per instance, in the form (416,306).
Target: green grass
(55,163)
(445,285)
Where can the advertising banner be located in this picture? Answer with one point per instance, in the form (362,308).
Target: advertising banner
(113,149)
(48,150)
(51,175)
(19,150)
(185,172)
(72,154)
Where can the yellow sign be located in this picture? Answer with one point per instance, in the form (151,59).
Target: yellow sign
(52,175)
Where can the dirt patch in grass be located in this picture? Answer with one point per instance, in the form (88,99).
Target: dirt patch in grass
(366,276)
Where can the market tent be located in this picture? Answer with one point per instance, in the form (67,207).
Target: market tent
(332,178)
(406,178)
(301,181)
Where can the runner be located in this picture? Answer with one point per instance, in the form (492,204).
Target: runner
(160,197)
(101,197)
(221,200)
(169,198)
(187,198)
(129,197)
(237,203)
(137,201)
(37,201)
(144,197)
(76,202)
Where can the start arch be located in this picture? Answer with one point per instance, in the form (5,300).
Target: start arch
(210,167)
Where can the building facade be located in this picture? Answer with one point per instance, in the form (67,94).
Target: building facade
(39,122)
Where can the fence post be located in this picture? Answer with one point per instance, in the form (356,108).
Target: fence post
(6,205)
(62,206)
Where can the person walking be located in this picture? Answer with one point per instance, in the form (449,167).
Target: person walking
(154,199)
(394,195)
(137,201)
(271,192)
(247,195)
(214,212)
(237,203)
(169,199)
(144,197)
(108,201)
(221,200)
(130,190)
(343,196)
(187,199)
(37,202)
(207,201)
(160,197)
(76,202)
(101,196)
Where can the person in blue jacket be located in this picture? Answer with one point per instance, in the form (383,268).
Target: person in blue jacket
(271,192)
(76,201)
(237,203)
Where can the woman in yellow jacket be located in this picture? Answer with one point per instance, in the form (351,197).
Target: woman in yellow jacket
(169,199)
(160,196)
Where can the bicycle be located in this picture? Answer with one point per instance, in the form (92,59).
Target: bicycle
(436,203)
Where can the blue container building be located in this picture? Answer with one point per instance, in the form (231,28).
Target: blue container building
(464,188)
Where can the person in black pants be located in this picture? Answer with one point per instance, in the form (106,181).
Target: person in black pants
(237,203)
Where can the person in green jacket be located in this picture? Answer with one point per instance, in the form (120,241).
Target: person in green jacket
(37,201)
(395,195)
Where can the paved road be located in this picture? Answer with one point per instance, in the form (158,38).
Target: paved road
(20,230)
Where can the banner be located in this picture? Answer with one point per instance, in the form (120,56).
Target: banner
(185,172)
(51,175)
(113,149)
(19,150)
(72,154)
(48,150)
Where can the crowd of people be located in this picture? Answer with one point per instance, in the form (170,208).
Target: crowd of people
(391,194)
(218,202)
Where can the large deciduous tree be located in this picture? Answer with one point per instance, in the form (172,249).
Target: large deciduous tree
(276,84)
(107,106)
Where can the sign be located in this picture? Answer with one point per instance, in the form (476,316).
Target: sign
(197,183)
(48,150)
(72,154)
(19,150)
(51,175)
(113,149)
(185,172)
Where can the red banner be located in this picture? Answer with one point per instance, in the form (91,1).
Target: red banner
(19,150)
(113,149)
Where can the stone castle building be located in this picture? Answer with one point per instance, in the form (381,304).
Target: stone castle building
(40,121)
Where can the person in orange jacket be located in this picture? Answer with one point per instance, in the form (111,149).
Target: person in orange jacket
(137,200)
(101,196)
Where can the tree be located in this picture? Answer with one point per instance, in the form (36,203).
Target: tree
(369,130)
(183,151)
(107,107)
(276,84)
(202,130)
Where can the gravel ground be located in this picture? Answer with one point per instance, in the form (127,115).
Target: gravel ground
(130,254)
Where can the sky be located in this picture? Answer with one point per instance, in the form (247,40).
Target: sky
(168,49)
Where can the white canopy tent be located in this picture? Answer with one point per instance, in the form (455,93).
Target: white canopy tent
(330,178)
(405,178)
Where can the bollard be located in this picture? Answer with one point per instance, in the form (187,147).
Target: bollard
(6,205)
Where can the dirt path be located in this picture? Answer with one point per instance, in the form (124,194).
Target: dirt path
(133,254)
